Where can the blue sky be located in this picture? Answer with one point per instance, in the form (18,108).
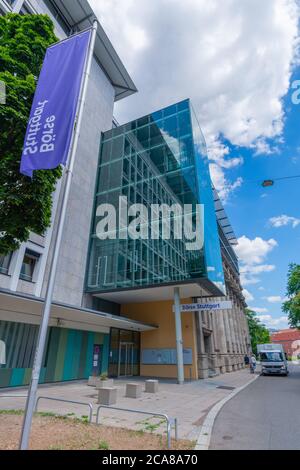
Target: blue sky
(236,62)
(252,207)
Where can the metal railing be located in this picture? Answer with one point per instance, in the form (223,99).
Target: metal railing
(170,421)
(13,396)
(67,401)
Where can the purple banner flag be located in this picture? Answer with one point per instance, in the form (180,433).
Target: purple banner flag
(50,127)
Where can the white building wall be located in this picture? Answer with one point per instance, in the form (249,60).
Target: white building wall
(98,118)
(71,268)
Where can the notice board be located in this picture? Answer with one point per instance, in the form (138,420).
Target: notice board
(166,356)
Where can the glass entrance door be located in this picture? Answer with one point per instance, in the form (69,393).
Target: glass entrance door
(125,368)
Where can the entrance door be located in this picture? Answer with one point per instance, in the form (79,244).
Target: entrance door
(125,368)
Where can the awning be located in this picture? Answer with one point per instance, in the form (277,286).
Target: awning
(27,309)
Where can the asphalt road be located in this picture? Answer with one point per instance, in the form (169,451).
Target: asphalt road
(264,416)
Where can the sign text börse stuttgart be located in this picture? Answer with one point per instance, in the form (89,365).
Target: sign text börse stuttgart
(226,304)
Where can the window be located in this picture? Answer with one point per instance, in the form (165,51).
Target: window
(4,263)
(57,16)
(271,356)
(28,266)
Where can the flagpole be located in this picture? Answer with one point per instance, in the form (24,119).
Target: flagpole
(39,353)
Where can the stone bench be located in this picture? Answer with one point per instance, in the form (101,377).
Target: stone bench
(133,390)
(107,396)
(151,386)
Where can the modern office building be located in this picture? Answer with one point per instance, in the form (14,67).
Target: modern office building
(161,159)
(113,300)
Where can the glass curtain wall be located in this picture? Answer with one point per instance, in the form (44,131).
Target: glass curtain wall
(153,160)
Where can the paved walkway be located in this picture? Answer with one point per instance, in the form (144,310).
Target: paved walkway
(264,416)
(189,403)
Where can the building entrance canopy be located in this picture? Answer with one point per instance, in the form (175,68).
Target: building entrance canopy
(27,309)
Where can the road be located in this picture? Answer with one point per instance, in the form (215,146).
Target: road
(264,416)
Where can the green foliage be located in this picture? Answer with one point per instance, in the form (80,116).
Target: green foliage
(292,305)
(25,204)
(258,332)
(12,412)
(103,445)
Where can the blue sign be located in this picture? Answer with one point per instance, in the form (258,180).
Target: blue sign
(51,123)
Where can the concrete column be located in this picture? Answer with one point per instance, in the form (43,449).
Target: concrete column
(241,329)
(239,335)
(213,343)
(228,359)
(233,336)
(202,356)
(179,342)
(201,348)
(222,341)
(236,328)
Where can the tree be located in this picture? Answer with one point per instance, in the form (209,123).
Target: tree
(259,334)
(292,305)
(25,204)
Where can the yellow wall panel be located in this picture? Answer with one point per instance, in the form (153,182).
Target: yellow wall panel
(161,314)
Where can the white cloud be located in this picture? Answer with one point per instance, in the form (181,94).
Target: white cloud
(252,252)
(260,268)
(284,220)
(262,147)
(221,183)
(259,310)
(249,273)
(248,280)
(271,322)
(248,296)
(273,299)
(232,58)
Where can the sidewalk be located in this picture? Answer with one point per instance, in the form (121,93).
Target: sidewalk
(189,403)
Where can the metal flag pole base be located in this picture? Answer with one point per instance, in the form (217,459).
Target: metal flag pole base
(32,393)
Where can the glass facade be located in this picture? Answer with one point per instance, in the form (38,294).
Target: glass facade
(159,159)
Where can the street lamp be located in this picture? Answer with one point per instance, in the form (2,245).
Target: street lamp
(268,183)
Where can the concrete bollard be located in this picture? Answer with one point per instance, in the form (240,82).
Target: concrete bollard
(151,386)
(133,390)
(107,396)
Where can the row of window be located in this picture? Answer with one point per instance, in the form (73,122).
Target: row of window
(29,264)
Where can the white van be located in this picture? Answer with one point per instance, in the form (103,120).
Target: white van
(273,360)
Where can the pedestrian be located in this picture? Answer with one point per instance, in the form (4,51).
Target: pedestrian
(246,360)
(252,364)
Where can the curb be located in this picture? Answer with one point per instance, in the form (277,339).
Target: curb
(204,438)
